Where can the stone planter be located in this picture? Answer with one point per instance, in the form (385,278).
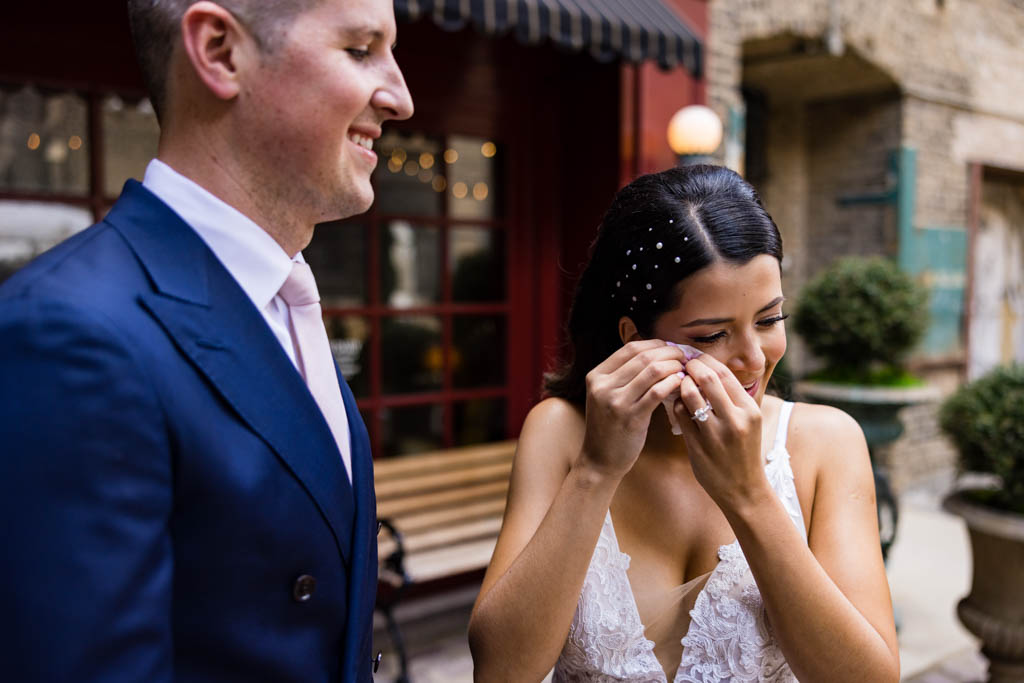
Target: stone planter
(876,410)
(994,609)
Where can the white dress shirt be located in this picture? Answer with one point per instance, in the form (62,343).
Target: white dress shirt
(250,254)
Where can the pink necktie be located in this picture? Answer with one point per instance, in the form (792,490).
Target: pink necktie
(313,352)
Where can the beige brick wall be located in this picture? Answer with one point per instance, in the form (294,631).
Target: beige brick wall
(942,77)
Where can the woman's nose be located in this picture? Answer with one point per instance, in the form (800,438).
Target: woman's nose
(747,356)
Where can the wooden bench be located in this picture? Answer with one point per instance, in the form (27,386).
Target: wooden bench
(440,514)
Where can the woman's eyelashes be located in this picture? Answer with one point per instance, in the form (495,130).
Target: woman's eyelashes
(358,53)
(764,324)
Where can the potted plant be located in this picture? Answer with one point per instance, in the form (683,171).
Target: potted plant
(861,317)
(985,420)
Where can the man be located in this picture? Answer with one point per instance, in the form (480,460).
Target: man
(185,481)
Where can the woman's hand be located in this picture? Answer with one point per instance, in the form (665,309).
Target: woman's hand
(725,449)
(622,392)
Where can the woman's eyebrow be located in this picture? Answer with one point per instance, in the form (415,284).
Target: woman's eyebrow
(718,321)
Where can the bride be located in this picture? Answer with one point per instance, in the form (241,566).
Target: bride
(729,536)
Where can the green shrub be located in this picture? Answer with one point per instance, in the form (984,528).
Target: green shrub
(862,316)
(985,419)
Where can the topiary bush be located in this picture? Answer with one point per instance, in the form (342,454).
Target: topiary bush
(985,419)
(862,316)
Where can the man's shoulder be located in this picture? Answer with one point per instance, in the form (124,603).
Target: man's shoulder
(91,263)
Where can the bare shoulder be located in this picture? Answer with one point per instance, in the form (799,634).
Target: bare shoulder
(553,429)
(827,439)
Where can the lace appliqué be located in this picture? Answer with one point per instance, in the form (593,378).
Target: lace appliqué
(729,638)
(606,641)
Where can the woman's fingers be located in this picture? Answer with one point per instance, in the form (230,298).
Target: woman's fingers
(628,352)
(649,375)
(640,363)
(667,386)
(726,379)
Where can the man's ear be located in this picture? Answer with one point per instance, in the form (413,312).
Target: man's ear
(212,40)
(628,331)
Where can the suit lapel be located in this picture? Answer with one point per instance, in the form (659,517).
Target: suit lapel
(216,326)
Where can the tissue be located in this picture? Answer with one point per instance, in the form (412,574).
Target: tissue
(690,354)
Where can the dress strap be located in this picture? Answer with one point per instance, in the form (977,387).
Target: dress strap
(783,428)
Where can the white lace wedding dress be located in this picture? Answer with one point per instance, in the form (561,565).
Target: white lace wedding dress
(728,638)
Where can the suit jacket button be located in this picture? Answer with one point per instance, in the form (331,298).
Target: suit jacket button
(376,661)
(303,589)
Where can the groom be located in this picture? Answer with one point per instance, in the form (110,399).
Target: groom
(186,485)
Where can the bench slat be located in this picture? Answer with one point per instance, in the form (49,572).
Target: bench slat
(399,506)
(420,521)
(442,481)
(386,469)
(447,537)
(435,564)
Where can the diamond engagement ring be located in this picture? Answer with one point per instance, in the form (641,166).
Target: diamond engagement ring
(702,414)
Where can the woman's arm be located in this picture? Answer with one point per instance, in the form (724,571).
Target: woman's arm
(565,474)
(828,602)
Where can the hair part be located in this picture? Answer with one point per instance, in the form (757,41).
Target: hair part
(659,230)
(156,30)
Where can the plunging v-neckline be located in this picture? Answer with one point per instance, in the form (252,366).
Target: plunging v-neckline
(636,609)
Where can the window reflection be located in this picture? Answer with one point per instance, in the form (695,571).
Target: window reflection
(479,357)
(476,261)
(409,174)
(411,429)
(338,256)
(130,136)
(478,421)
(473,177)
(350,343)
(411,355)
(410,260)
(44,144)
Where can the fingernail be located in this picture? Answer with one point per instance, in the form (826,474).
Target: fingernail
(681,374)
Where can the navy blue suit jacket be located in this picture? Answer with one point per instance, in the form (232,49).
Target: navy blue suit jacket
(166,476)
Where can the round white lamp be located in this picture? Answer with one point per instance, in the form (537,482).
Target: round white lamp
(694,133)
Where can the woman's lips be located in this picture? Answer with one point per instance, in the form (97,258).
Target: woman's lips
(753,389)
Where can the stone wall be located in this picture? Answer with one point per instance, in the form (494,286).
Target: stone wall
(841,83)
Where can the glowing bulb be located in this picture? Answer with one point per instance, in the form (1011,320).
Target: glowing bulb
(439,183)
(426,160)
(695,129)
(411,167)
(450,156)
(488,149)
(75,142)
(394,165)
(33,141)
(459,189)
(399,154)
(480,191)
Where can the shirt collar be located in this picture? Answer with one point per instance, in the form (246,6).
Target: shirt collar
(250,254)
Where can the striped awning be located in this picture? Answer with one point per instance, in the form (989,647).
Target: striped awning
(634,30)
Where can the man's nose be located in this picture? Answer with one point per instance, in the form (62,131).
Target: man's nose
(393,98)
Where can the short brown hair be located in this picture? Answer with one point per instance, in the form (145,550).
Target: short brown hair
(155,27)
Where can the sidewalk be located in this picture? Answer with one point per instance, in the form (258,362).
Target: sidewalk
(929,571)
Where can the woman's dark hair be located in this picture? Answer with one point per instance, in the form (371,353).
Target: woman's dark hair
(659,230)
